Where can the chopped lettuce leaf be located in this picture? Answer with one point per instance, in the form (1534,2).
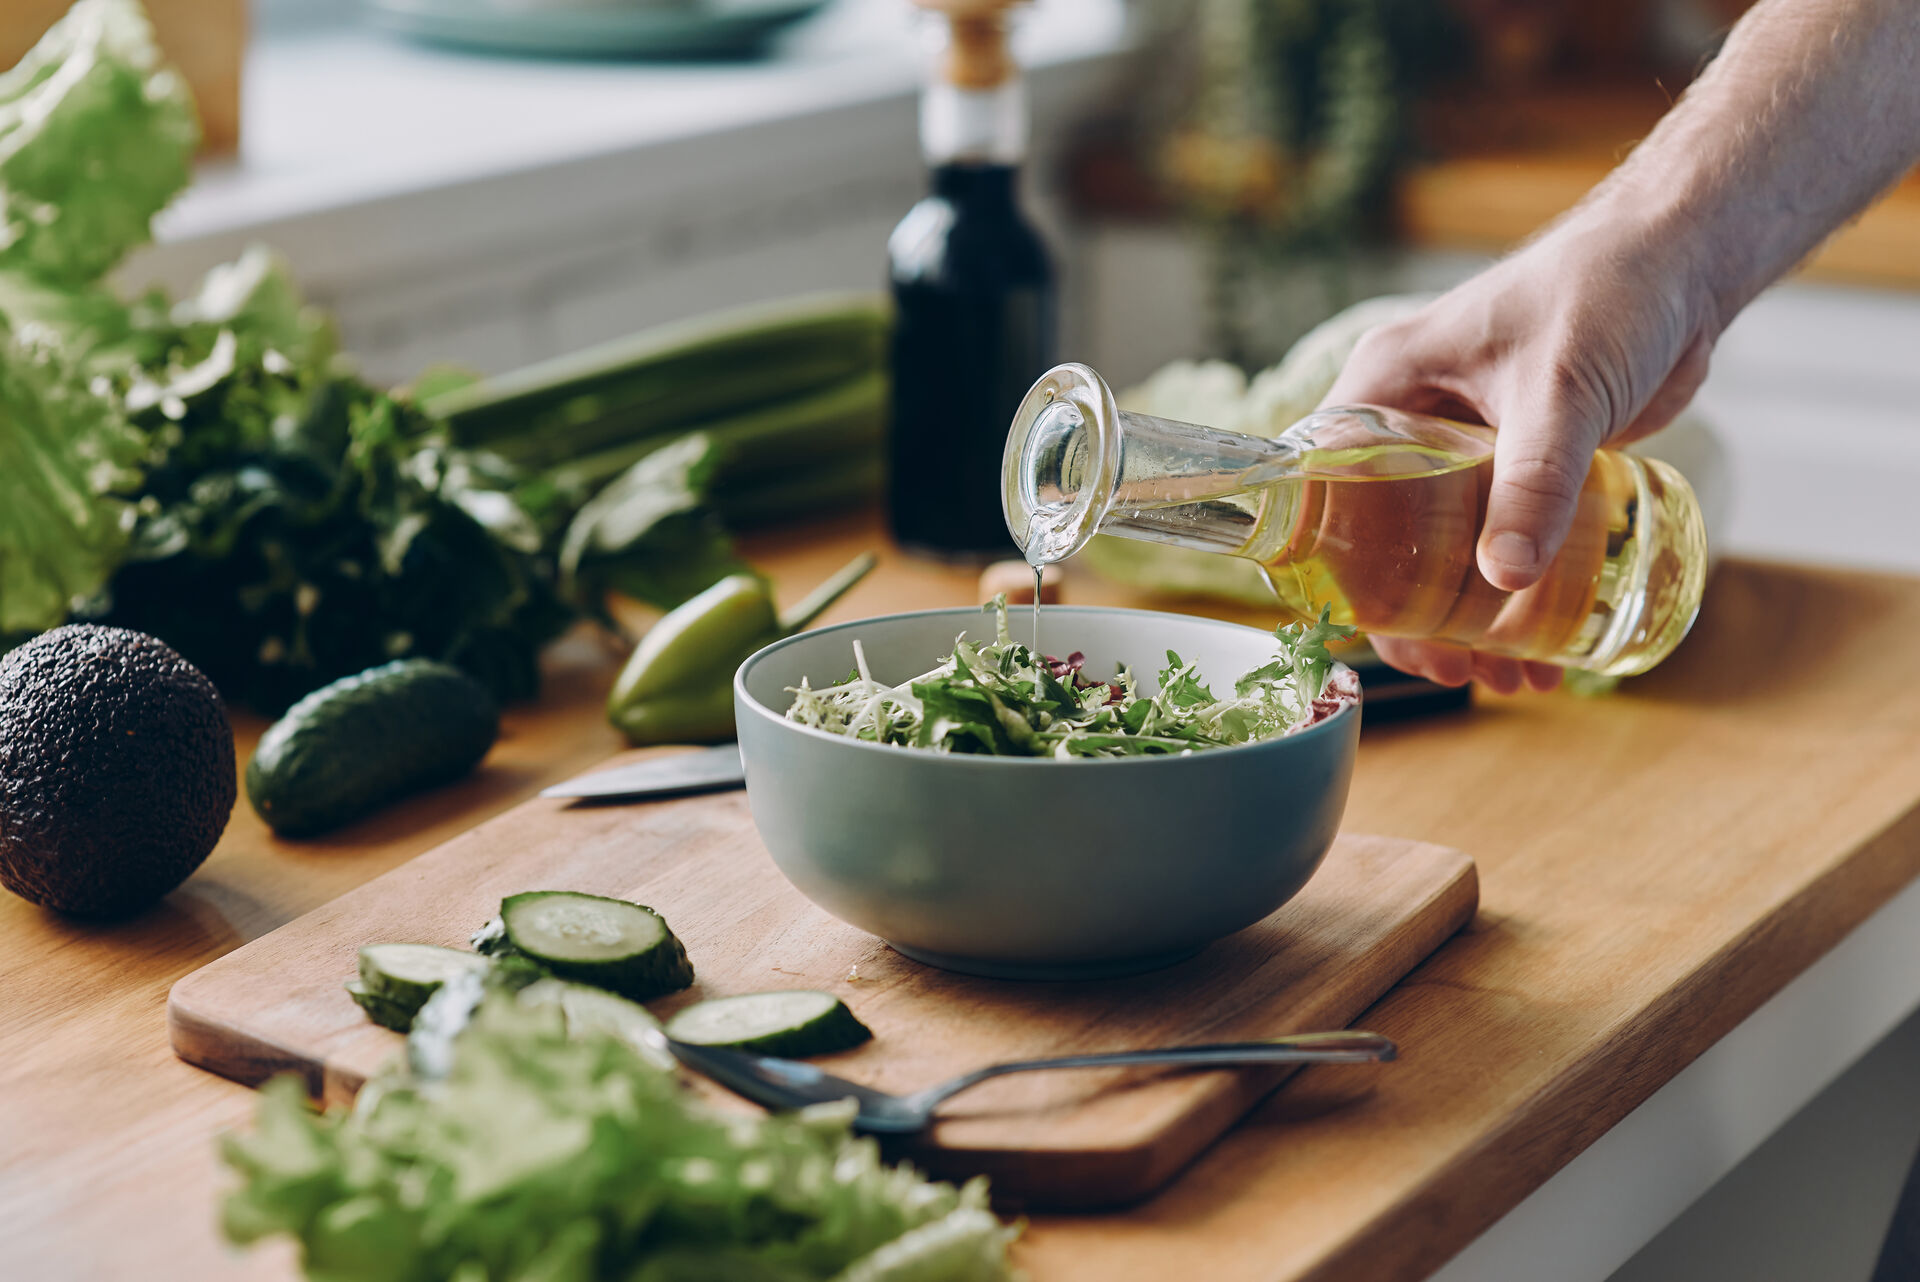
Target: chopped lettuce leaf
(967,1245)
(550,1155)
(96,136)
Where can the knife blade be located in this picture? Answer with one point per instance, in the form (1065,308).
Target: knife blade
(707,770)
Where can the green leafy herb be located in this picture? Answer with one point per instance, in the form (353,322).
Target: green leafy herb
(1001,699)
(293,524)
(574,1158)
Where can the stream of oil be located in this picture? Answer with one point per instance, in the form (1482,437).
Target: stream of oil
(1037,571)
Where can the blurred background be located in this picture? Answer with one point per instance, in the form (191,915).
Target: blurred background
(496,181)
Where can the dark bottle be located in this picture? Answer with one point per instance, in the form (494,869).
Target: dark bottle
(974,306)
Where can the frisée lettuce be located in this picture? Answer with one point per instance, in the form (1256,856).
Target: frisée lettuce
(999,698)
(545,1152)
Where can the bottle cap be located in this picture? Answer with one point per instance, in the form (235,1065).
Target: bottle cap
(976,55)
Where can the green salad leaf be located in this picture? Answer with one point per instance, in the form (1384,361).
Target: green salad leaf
(296,525)
(999,698)
(96,136)
(88,325)
(570,1157)
(66,466)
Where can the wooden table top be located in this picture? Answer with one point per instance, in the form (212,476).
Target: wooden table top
(1654,865)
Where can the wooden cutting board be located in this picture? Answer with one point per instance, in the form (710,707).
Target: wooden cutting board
(1075,1138)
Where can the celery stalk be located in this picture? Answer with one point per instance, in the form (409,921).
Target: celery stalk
(667,379)
(836,483)
(843,417)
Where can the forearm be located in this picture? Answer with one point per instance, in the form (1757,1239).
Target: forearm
(1810,111)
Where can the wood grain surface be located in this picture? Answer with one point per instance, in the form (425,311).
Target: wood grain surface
(1653,866)
(1377,907)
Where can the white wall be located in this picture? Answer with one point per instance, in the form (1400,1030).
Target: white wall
(1813,1202)
(495,211)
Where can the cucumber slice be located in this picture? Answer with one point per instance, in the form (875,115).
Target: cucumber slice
(408,974)
(595,1010)
(791,1022)
(612,944)
(397,979)
(510,972)
(381,1010)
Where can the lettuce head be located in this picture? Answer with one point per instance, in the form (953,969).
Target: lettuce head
(96,136)
(66,458)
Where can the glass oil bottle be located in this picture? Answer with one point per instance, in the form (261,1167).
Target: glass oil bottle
(1371,512)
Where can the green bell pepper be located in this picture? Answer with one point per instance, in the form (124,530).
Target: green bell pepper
(677,686)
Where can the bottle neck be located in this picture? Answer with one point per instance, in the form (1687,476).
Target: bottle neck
(974,127)
(1076,464)
(975,185)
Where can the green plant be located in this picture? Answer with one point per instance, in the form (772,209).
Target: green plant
(1279,138)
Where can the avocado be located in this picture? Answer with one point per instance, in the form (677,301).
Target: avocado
(116,770)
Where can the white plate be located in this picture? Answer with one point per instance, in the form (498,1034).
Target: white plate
(728,29)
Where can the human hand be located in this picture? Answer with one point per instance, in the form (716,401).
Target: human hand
(1590,335)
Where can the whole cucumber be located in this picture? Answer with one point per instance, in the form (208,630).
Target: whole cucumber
(374,737)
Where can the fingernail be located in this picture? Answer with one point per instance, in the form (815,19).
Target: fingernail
(1514,549)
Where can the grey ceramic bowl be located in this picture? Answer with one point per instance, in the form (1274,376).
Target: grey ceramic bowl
(1039,869)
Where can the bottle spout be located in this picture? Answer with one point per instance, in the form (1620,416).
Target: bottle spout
(1077,465)
(1061,465)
